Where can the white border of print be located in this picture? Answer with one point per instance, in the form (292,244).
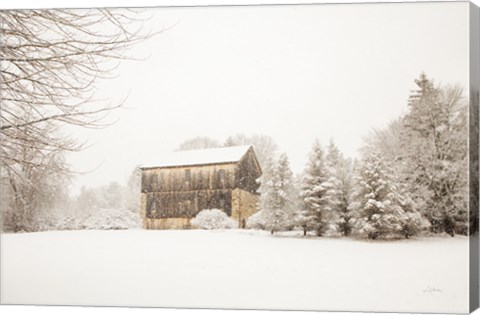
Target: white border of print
(24,4)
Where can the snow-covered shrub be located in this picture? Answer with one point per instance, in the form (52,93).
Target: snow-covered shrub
(257,221)
(112,219)
(414,224)
(68,223)
(211,219)
(95,219)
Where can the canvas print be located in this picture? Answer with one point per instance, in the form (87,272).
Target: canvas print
(285,157)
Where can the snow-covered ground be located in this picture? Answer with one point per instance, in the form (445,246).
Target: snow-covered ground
(234,269)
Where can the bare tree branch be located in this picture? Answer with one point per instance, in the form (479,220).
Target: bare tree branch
(50,61)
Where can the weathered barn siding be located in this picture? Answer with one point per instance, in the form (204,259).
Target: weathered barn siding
(167,224)
(184,191)
(172,195)
(187,178)
(164,223)
(186,203)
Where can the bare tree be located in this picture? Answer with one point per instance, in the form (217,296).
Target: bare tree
(265,146)
(386,141)
(50,61)
(198,143)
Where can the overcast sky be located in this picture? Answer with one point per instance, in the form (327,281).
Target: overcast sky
(294,73)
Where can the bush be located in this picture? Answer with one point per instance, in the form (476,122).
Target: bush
(257,221)
(67,223)
(414,224)
(112,219)
(211,219)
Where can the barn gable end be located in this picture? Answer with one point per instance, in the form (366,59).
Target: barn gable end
(247,172)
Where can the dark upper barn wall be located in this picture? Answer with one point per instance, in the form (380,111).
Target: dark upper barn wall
(247,172)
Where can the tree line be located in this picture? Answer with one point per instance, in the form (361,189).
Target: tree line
(411,178)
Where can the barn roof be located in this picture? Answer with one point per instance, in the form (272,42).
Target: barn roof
(201,157)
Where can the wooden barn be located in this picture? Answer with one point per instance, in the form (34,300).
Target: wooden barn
(183,184)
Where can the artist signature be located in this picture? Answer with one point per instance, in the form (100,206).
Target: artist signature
(431,290)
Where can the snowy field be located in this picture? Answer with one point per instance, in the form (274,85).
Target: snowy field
(234,269)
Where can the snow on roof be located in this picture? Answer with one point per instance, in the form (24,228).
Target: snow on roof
(201,157)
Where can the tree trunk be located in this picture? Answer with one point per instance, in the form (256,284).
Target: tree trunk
(449,225)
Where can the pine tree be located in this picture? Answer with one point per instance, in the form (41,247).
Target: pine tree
(333,156)
(276,193)
(285,190)
(266,188)
(338,190)
(377,205)
(412,221)
(302,217)
(344,213)
(314,189)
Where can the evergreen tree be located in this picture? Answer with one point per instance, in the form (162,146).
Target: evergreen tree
(345,187)
(413,222)
(266,184)
(334,197)
(269,199)
(377,204)
(276,194)
(286,191)
(314,189)
(333,156)
(302,217)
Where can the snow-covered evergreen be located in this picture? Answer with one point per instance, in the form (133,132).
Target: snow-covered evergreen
(413,221)
(277,194)
(333,162)
(286,190)
(314,189)
(339,186)
(344,179)
(377,206)
(304,219)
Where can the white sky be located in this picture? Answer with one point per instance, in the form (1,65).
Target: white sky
(294,73)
